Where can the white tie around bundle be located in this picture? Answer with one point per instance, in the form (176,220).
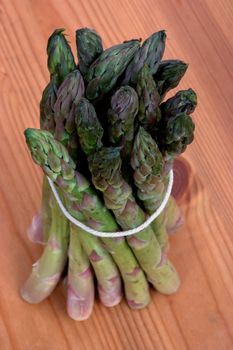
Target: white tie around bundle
(117,233)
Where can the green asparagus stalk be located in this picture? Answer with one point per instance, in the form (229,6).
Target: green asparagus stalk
(184,101)
(109,66)
(80,295)
(47,122)
(149,99)
(60,57)
(39,229)
(74,86)
(80,299)
(60,63)
(47,270)
(168,75)
(121,116)
(90,134)
(83,204)
(69,93)
(89,47)
(105,166)
(150,53)
(175,135)
(147,162)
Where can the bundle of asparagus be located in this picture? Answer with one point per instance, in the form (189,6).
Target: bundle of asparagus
(108,141)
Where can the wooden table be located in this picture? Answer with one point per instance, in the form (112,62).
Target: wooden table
(200,315)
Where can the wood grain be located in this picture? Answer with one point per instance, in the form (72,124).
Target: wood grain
(200,315)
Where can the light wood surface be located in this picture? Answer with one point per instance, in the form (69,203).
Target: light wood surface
(200,315)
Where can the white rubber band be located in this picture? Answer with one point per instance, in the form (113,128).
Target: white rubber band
(117,233)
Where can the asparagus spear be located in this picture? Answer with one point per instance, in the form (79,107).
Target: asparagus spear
(47,270)
(39,229)
(81,294)
(109,66)
(57,49)
(150,53)
(121,116)
(105,166)
(90,134)
(175,135)
(184,101)
(147,162)
(89,47)
(168,75)
(69,93)
(149,99)
(60,57)
(60,63)
(83,203)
